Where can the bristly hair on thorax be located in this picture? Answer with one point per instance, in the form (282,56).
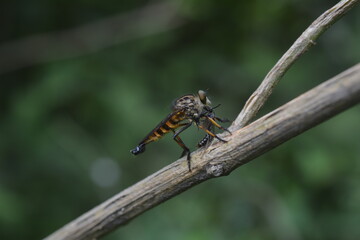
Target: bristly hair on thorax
(191,104)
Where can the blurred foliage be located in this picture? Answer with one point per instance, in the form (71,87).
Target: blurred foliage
(67,126)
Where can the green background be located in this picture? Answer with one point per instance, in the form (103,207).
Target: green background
(67,126)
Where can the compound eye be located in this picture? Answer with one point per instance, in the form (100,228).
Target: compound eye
(202,96)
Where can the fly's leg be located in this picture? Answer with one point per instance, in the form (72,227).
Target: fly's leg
(216,124)
(211,134)
(185,152)
(222,119)
(182,144)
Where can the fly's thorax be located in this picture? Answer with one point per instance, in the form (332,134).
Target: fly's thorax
(189,105)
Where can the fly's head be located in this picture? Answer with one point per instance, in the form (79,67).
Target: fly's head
(203,98)
(192,105)
(203,103)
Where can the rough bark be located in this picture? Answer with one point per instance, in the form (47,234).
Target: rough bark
(299,47)
(245,143)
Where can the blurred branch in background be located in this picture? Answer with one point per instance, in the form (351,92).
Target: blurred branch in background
(300,46)
(41,48)
(244,145)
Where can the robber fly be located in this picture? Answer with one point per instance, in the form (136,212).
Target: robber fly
(186,110)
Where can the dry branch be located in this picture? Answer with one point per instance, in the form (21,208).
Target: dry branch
(300,46)
(295,117)
(244,144)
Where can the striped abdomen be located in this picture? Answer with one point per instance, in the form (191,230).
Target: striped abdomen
(171,122)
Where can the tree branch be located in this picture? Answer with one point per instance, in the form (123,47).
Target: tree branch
(293,118)
(88,38)
(245,144)
(300,46)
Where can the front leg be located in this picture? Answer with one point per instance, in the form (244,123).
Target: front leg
(216,124)
(211,134)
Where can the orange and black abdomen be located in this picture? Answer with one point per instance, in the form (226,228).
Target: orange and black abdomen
(171,122)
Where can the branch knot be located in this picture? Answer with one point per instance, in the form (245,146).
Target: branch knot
(215,170)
